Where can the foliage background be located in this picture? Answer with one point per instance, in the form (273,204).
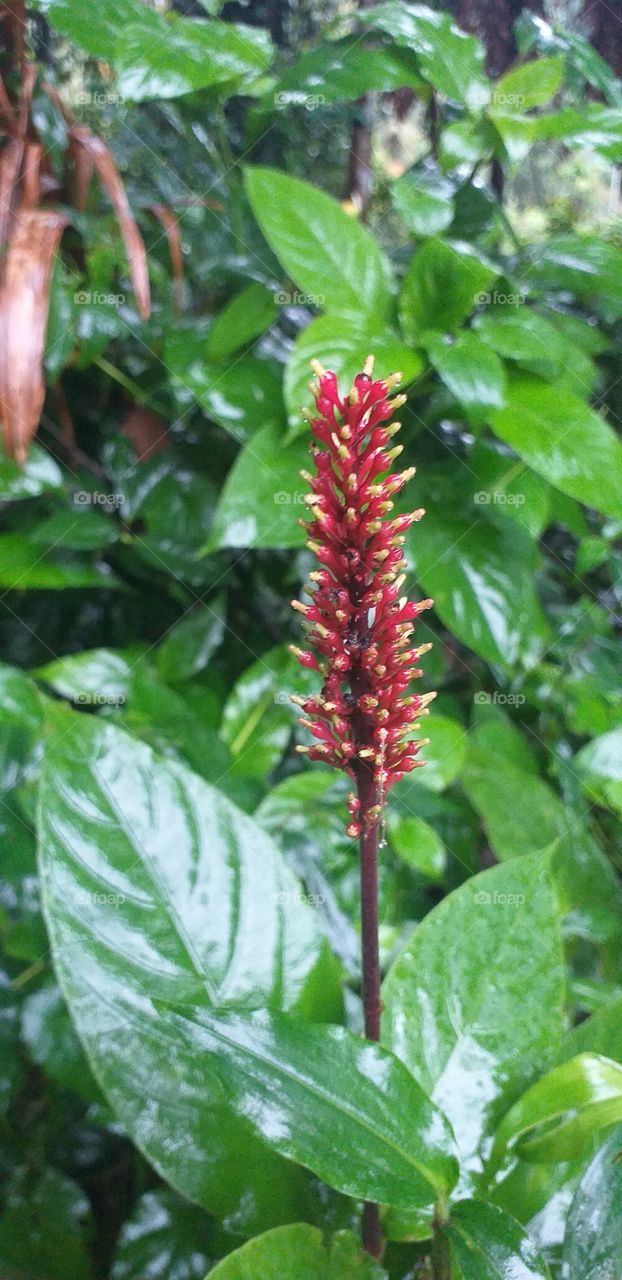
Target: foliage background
(150,543)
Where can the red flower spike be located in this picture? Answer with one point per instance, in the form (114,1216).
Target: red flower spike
(360,624)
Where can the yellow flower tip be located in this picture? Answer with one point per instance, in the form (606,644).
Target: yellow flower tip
(368,367)
(318,368)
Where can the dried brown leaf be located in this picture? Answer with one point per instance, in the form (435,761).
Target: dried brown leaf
(170,226)
(24,299)
(112,184)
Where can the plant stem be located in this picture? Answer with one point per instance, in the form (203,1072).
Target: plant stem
(441,1263)
(370,962)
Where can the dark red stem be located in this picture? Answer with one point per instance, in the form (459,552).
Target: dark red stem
(370,964)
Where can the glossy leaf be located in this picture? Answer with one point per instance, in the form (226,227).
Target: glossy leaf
(602,1033)
(189,645)
(487,1244)
(444,754)
(417,844)
(240,395)
(298,1250)
(222,921)
(482,583)
(448,58)
(423,202)
(600,766)
(39,474)
(593,1243)
(454,1010)
(25,566)
(327,253)
(341,1106)
(165,1237)
(342,70)
(499,794)
(245,317)
(258,716)
(473,373)
(529,85)
(155,58)
(443,284)
(263,495)
(342,346)
(568,443)
(558,1116)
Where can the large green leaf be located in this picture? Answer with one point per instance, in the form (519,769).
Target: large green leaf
(498,795)
(443,284)
(600,767)
(562,438)
(454,1000)
(165,890)
(481,579)
(559,1115)
(343,1107)
(263,496)
(247,315)
(593,1243)
(298,1250)
(471,371)
(342,346)
(487,1244)
(327,253)
(448,58)
(530,85)
(342,70)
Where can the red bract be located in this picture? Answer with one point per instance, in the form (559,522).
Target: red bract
(360,625)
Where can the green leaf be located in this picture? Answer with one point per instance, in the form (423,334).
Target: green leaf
(341,71)
(327,253)
(48,1033)
(588,266)
(487,1244)
(593,1241)
(241,396)
(454,1000)
(79,530)
(39,474)
(424,202)
(442,285)
(163,58)
(244,318)
(25,567)
(221,921)
(343,1107)
(473,373)
(301,1251)
(258,716)
(521,334)
(508,489)
(444,754)
(482,582)
(189,645)
(498,795)
(568,443)
(602,1033)
(559,1115)
(342,346)
(165,1238)
(448,58)
(96,31)
(417,844)
(263,495)
(42,1228)
(531,85)
(600,767)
